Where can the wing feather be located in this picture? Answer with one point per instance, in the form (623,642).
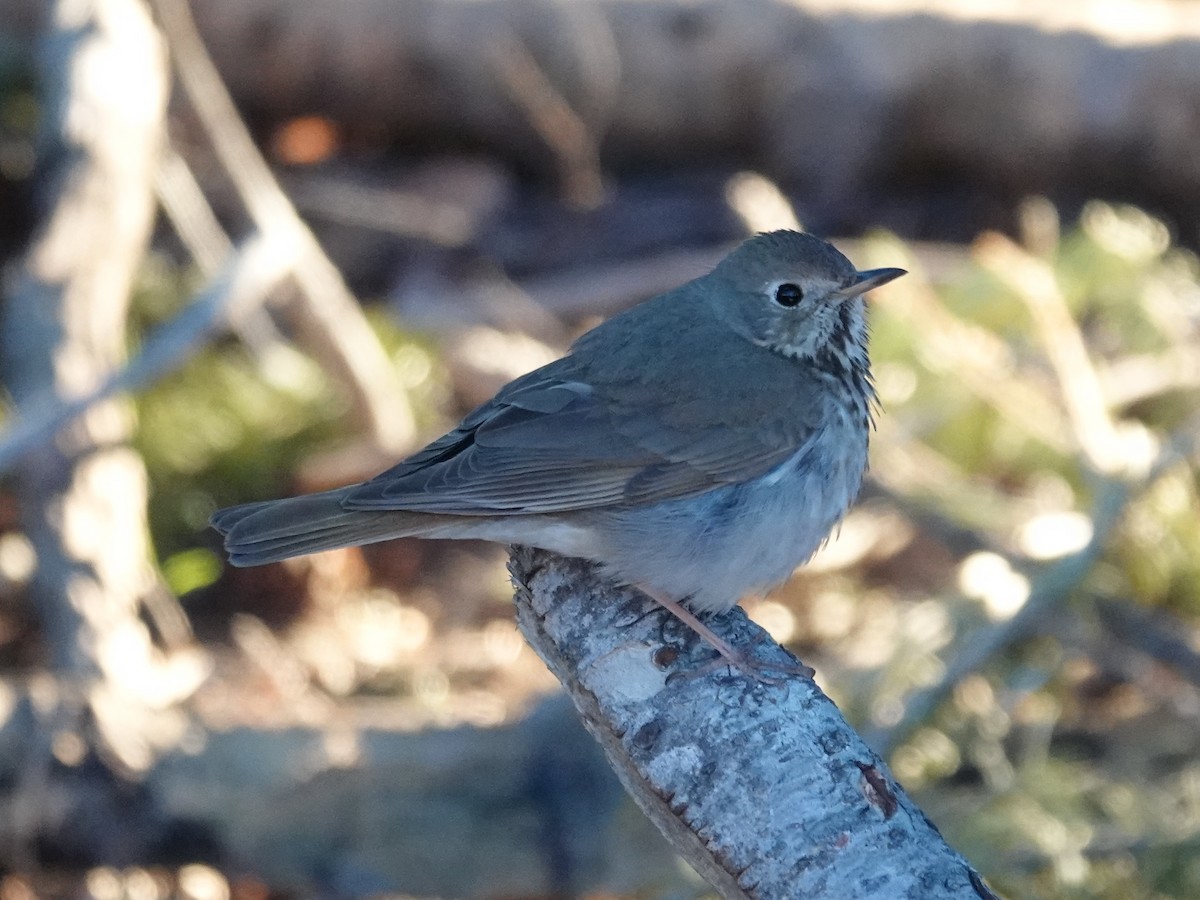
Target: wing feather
(566,438)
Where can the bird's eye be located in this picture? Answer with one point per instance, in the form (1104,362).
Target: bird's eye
(788,294)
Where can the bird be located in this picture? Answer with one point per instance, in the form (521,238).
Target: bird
(699,446)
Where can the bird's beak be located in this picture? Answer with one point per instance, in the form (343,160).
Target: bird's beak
(866,281)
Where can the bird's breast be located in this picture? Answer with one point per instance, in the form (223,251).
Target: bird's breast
(714,548)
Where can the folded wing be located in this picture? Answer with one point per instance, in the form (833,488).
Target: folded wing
(550,442)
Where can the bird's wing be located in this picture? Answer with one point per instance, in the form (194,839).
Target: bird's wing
(552,442)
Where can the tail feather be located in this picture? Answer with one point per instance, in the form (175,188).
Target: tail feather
(258,533)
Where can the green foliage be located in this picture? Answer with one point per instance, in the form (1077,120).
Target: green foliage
(217,433)
(188,570)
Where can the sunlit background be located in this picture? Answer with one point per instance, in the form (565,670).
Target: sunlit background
(1010,616)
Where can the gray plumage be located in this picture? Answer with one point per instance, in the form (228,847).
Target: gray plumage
(701,445)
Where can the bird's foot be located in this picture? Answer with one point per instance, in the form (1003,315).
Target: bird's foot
(728,655)
(756,669)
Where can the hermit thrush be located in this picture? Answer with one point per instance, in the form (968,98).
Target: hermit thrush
(698,446)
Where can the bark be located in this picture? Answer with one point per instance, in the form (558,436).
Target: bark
(764,789)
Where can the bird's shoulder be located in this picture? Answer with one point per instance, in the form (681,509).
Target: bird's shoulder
(682,365)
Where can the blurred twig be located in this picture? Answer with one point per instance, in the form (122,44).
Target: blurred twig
(1049,588)
(246,277)
(397,212)
(1034,281)
(911,468)
(980,360)
(1134,378)
(575,146)
(958,537)
(190,213)
(330,316)
(196,224)
(1157,634)
(760,204)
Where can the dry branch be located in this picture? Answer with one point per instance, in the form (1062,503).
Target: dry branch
(1050,588)
(764,789)
(249,274)
(327,315)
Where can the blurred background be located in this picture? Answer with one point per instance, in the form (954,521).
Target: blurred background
(257,247)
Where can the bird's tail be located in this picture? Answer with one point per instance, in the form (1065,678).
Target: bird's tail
(258,533)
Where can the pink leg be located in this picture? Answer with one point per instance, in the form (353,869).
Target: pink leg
(747,666)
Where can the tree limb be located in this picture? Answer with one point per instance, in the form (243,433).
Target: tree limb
(765,789)
(328,316)
(251,271)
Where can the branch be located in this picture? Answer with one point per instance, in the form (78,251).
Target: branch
(764,789)
(328,315)
(249,274)
(1034,281)
(82,498)
(196,224)
(575,145)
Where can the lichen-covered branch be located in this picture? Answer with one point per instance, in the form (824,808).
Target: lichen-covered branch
(764,789)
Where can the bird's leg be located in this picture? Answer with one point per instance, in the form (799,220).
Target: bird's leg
(751,667)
